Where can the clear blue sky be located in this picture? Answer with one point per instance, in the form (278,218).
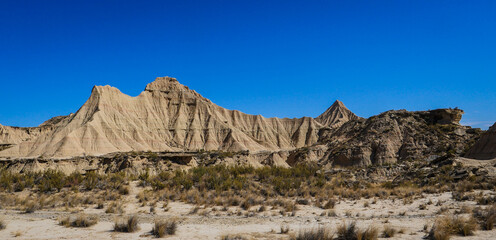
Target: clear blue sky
(275,58)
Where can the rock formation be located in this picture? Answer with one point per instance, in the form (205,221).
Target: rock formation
(167,116)
(15,135)
(336,115)
(170,117)
(397,135)
(485,147)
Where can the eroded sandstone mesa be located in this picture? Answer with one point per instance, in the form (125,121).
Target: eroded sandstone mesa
(485,147)
(167,116)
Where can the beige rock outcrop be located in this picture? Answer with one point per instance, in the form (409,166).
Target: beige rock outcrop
(15,135)
(397,135)
(485,147)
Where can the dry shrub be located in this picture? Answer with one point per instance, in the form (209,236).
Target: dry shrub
(81,221)
(2,224)
(194,210)
(320,233)
(131,225)
(261,209)
(451,225)
(351,232)
(66,222)
(30,207)
(330,204)
(123,190)
(388,232)
(164,227)
(84,221)
(114,208)
(284,229)
(370,233)
(486,217)
(17,234)
(233,237)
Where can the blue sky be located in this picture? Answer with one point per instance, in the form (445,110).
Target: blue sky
(275,58)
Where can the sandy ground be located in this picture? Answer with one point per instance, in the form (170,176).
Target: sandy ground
(213,223)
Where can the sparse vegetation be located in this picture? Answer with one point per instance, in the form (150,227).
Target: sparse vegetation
(126,225)
(452,225)
(320,233)
(31,207)
(352,232)
(388,231)
(284,230)
(164,227)
(81,221)
(486,217)
(233,237)
(3,225)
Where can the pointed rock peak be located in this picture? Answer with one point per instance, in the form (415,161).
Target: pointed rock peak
(336,115)
(337,106)
(338,103)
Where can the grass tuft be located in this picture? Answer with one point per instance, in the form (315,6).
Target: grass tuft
(31,207)
(129,225)
(320,233)
(3,225)
(388,232)
(351,232)
(444,227)
(486,217)
(164,227)
(81,221)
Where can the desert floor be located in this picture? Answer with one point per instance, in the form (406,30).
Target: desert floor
(216,222)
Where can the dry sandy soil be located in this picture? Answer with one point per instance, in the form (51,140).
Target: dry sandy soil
(215,222)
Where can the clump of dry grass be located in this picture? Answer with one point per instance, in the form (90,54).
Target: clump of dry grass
(351,232)
(81,221)
(31,207)
(388,232)
(114,208)
(3,225)
(284,229)
(232,237)
(123,190)
(486,217)
(451,225)
(84,221)
(129,225)
(164,227)
(330,204)
(17,234)
(320,233)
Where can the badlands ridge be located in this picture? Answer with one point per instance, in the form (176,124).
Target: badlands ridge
(170,117)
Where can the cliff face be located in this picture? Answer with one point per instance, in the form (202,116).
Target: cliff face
(397,135)
(167,116)
(485,147)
